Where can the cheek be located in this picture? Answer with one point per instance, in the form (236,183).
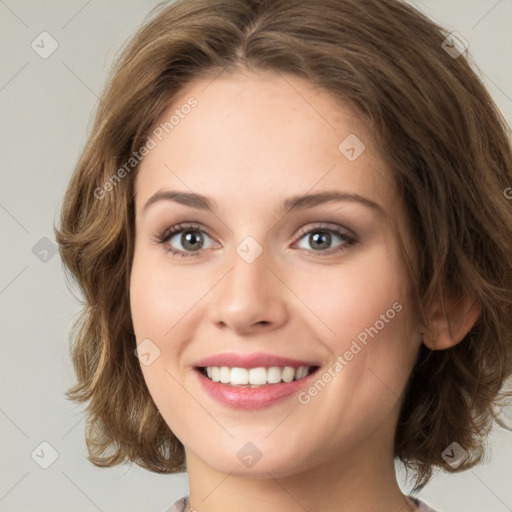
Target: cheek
(165,304)
(151,304)
(156,307)
(367,327)
(160,295)
(352,296)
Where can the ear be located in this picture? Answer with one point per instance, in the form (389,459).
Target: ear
(451,326)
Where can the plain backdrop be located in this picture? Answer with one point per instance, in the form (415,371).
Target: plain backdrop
(46,112)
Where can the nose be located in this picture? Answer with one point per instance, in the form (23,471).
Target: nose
(251,298)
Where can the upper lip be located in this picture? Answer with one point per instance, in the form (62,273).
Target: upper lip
(254,360)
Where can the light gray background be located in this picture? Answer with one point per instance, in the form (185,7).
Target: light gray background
(46,112)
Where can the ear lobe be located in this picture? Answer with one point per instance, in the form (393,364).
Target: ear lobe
(451,328)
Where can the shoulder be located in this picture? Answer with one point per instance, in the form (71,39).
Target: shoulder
(181,505)
(178,506)
(422,507)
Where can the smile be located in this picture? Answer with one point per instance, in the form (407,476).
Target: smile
(255,377)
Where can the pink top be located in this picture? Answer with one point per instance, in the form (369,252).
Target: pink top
(181,505)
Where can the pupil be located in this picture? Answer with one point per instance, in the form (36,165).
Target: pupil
(316,239)
(191,237)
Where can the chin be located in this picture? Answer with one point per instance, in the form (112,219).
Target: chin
(248,461)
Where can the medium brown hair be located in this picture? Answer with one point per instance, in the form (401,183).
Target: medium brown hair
(441,135)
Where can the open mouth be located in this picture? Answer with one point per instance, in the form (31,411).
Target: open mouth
(256,377)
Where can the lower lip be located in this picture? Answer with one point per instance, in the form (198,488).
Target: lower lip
(252,398)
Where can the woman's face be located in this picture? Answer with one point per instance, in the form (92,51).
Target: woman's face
(318,282)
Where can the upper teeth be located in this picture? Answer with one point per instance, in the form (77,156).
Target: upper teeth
(255,376)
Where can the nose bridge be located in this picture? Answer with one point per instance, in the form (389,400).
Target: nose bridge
(249,269)
(250,293)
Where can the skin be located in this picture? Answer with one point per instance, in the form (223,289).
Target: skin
(253,140)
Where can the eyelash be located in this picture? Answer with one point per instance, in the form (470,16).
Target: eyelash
(166,235)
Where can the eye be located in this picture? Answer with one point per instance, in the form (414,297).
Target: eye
(189,236)
(320,238)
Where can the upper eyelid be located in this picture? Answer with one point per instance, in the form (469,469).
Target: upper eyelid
(327,226)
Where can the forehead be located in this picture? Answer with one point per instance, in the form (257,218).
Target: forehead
(253,138)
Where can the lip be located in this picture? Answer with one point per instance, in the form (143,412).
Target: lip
(253,398)
(254,360)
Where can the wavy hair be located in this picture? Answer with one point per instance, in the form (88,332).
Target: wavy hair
(441,135)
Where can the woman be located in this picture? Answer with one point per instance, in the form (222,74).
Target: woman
(292,231)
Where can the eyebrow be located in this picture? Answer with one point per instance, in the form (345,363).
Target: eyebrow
(299,202)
